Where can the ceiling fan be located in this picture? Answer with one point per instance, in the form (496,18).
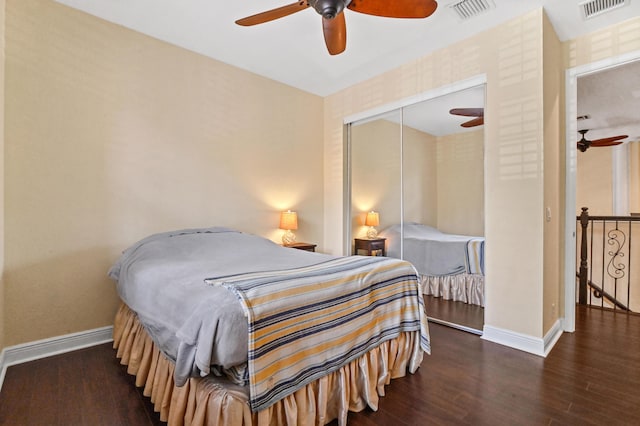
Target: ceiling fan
(470,112)
(333,22)
(584,144)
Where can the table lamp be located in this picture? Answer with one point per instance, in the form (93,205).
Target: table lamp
(372,220)
(288,221)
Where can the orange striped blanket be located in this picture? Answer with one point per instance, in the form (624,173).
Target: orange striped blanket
(306,322)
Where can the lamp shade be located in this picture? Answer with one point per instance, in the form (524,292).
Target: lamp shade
(373,219)
(288,220)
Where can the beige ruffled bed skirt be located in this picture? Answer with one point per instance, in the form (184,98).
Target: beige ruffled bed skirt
(467,288)
(215,401)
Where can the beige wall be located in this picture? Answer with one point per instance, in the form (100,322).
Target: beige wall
(511,57)
(634,177)
(2,179)
(375,153)
(594,179)
(521,296)
(442,178)
(554,177)
(112,135)
(594,182)
(461,183)
(419,177)
(376,175)
(593,174)
(604,44)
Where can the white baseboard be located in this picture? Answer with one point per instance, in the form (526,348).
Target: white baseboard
(3,369)
(524,342)
(552,336)
(38,349)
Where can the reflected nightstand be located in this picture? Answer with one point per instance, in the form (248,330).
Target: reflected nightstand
(302,246)
(372,246)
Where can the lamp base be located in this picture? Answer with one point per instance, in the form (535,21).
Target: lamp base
(288,237)
(372,233)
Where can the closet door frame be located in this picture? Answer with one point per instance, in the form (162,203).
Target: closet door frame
(398,105)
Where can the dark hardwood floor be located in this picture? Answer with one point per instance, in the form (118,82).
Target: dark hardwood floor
(85,387)
(591,377)
(464,314)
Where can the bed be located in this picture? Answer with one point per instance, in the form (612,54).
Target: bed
(224,327)
(450,266)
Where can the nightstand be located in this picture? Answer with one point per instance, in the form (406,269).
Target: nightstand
(372,247)
(302,246)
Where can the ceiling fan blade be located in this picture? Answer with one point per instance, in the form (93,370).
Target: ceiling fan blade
(473,123)
(272,14)
(395,9)
(601,144)
(608,141)
(335,34)
(468,112)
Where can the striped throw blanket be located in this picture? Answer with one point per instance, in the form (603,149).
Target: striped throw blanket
(475,256)
(307,322)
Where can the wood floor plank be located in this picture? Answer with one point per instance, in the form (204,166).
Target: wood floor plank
(591,377)
(85,387)
(464,314)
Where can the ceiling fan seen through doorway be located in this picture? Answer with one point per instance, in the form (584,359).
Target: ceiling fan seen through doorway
(478,113)
(584,144)
(332,12)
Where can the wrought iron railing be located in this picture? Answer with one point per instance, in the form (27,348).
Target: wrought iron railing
(608,266)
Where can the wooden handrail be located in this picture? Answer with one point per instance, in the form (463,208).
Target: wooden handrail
(598,290)
(582,274)
(611,218)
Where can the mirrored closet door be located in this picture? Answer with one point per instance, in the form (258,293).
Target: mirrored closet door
(417,193)
(376,181)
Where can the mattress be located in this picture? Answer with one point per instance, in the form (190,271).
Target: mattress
(191,290)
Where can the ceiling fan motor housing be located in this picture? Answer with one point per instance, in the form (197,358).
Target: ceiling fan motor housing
(583,143)
(329,9)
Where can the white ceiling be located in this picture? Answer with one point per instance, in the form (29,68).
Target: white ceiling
(292,50)
(611,100)
(432,115)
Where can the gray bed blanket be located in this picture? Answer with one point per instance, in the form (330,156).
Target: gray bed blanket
(432,252)
(198,326)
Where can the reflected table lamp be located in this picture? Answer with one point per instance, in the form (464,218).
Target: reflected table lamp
(288,221)
(372,220)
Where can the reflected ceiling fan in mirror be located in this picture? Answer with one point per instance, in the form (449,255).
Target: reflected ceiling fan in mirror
(584,144)
(333,22)
(470,112)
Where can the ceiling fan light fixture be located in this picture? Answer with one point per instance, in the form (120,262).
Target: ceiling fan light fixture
(593,8)
(329,9)
(467,9)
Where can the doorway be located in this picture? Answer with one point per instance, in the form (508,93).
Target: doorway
(572,119)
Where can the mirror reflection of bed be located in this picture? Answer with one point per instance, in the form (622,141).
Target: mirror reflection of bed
(451,270)
(423,174)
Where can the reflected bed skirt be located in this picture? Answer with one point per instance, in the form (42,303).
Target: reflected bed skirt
(467,288)
(215,401)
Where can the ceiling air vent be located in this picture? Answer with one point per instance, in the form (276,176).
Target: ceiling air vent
(467,9)
(594,8)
